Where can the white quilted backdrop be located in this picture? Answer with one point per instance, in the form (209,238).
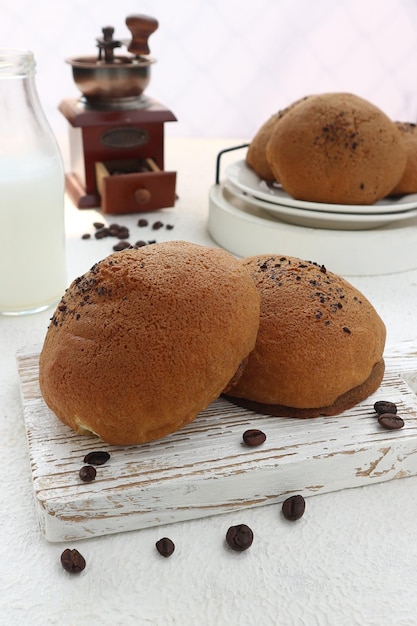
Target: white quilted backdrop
(223,66)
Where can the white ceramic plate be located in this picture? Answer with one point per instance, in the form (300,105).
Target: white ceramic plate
(316,219)
(245,179)
(247,230)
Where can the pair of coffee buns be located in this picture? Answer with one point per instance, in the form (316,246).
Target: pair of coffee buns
(334,148)
(149,337)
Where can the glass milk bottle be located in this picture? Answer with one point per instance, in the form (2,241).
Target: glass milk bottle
(32,184)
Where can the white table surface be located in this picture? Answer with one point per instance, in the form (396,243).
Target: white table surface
(352,558)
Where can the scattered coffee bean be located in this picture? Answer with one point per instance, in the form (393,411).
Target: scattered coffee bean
(390,421)
(72,561)
(113,230)
(87,473)
(122,245)
(239,537)
(293,508)
(254,437)
(101,233)
(384,406)
(97,457)
(121,232)
(165,546)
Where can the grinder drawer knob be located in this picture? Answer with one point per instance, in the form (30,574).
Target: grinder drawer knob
(142,196)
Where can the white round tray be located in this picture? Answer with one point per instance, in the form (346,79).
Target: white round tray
(245,230)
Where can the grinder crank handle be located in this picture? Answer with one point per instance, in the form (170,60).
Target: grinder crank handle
(141,27)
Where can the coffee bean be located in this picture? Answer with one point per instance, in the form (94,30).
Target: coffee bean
(157,225)
(119,231)
(113,230)
(390,421)
(72,561)
(102,233)
(86,236)
(87,473)
(254,437)
(293,508)
(165,546)
(123,233)
(98,225)
(142,222)
(384,406)
(239,537)
(97,457)
(122,245)
(140,244)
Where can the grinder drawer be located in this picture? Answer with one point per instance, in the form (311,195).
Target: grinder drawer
(134,186)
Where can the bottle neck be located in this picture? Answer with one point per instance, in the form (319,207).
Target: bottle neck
(24,129)
(16,64)
(19,102)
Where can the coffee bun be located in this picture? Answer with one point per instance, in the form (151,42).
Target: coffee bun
(256,157)
(256,153)
(320,342)
(408,182)
(146,339)
(336,148)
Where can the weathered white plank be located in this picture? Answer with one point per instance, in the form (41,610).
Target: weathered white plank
(205,468)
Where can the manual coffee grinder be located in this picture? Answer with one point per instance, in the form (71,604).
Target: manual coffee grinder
(116,132)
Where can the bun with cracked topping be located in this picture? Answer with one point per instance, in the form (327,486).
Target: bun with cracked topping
(256,153)
(408,182)
(336,148)
(256,157)
(320,342)
(146,339)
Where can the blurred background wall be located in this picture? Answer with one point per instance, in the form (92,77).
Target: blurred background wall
(224,66)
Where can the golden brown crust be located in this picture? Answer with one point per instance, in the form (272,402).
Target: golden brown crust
(408,182)
(256,156)
(146,339)
(318,337)
(336,148)
(346,401)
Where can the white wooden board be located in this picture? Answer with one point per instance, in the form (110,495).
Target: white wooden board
(205,469)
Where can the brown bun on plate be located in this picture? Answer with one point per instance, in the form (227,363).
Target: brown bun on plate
(256,154)
(336,148)
(146,339)
(408,182)
(256,157)
(320,342)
